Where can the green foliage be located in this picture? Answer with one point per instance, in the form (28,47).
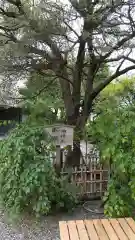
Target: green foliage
(114,131)
(7,122)
(118,198)
(28,181)
(43,101)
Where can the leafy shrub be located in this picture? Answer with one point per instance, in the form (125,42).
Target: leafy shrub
(27,178)
(117,145)
(113,129)
(119,202)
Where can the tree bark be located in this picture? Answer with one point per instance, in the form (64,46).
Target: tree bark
(73,155)
(76,152)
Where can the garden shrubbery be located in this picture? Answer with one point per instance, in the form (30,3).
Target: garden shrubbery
(28,181)
(114,132)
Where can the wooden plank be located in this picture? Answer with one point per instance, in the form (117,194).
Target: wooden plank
(64,234)
(100,230)
(104,229)
(126,228)
(91,230)
(116,226)
(82,230)
(131,223)
(73,230)
(109,229)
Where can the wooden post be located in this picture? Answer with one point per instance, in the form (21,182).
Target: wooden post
(58,156)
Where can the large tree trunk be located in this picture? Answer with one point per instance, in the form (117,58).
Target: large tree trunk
(78,121)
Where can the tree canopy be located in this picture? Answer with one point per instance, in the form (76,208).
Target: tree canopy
(71,42)
(38,100)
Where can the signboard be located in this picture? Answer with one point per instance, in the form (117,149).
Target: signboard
(62,134)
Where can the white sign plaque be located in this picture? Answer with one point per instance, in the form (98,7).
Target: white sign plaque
(62,134)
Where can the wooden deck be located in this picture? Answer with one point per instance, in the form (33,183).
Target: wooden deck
(99,229)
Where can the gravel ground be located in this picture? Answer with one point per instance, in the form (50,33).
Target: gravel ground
(44,229)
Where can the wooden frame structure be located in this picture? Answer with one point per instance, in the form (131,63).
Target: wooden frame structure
(91,180)
(91,176)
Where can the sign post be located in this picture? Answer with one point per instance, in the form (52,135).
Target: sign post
(58,157)
(63,136)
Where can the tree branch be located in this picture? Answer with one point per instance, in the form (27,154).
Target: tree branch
(18,4)
(38,93)
(102,85)
(77,7)
(120,58)
(71,29)
(118,45)
(77,77)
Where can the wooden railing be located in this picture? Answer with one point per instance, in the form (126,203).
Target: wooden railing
(91,176)
(91,180)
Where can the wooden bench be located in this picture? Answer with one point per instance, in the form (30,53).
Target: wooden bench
(99,229)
